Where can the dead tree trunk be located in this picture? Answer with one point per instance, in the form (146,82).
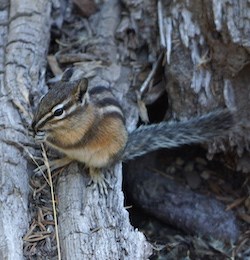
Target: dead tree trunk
(207,66)
(209,40)
(91,227)
(24,28)
(94,226)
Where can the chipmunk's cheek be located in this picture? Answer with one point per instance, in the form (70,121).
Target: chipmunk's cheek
(40,136)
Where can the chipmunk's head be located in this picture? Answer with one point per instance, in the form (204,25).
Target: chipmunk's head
(60,103)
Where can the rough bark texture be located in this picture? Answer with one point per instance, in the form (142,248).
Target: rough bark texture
(207,55)
(207,66)
(209,42)
(90,226)
(93,226)
(24,28)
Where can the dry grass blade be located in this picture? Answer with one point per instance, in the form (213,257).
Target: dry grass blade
(30,231)
(35,162)
(38,236)
(244,217)
(150,76)
(146,85)
(243,241)
(46,162)
(236,203)
(54,66)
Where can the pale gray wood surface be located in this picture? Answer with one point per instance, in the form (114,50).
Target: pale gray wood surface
(24,29)
(26,47)
(94,226)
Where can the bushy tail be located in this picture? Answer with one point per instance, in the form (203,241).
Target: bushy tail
(174,134)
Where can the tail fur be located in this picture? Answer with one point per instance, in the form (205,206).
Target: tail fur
(174,134)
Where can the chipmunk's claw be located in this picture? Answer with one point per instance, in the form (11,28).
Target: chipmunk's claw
(98,181)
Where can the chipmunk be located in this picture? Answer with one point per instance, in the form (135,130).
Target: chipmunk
(88,125)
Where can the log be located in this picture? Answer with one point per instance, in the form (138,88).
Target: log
(24,28)
(176,204)
(90,226)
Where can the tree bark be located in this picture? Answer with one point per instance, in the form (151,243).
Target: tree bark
(24,28)
(94,226)
(90,226)
(209,42)
(207,67)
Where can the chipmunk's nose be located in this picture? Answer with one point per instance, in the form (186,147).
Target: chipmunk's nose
(33,126)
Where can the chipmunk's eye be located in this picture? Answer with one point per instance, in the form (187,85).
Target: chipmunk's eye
(58,111)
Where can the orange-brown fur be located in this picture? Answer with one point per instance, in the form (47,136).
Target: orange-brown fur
(108,138)
(71,130)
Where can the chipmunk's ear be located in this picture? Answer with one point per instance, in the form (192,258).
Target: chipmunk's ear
(80,89)
(67,74)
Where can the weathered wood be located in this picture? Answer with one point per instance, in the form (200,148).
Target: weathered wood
(176,204)
(207,66)
(209,42)
(23,67)
(93,226)
(24,27)
(207,55)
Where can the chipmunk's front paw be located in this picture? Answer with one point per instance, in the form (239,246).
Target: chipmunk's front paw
(98,181)
(53,165)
